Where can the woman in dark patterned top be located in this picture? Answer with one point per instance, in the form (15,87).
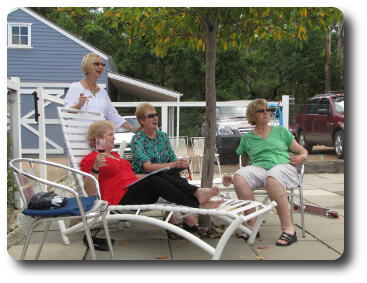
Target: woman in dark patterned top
(151,150)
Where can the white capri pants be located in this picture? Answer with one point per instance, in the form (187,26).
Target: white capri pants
(256,176)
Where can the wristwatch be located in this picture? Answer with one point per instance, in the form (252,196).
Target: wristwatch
(95,171)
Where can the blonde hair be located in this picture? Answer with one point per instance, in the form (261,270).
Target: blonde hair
(97,129)
(251,110)
(140,111)
(87,62)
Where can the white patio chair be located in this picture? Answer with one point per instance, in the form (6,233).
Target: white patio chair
(198,150)
(87,209)
(179,146)
(231,211)
(291,194)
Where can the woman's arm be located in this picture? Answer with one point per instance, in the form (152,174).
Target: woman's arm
(244,160)
(301,156)
(74,98)
(89,185)
(150,167)
(130,127)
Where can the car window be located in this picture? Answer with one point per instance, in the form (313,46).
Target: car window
(230,112)
(338,103)
(313,106)
(324,104)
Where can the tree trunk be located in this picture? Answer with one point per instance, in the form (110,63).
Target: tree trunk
(210,114)
(328,61)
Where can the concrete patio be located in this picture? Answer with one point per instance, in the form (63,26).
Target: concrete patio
(324,236)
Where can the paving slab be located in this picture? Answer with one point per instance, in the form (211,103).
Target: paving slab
(137,250)
(236,249)
(51,251)
(302,250)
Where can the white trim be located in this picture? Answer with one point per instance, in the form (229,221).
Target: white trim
(10,34)
(65,33)
(144,85)
(243,103)
(50,85)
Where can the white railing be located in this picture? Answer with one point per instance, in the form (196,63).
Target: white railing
(44,98)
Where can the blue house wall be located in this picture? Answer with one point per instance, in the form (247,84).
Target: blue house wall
(53,58)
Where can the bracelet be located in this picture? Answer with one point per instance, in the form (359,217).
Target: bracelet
(95,171)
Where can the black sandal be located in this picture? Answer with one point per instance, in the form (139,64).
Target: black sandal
(289,239)
(100,244)
(244,236)
(192,229)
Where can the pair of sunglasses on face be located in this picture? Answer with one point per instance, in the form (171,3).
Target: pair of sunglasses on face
(152,115)
(263,110)
(99,64)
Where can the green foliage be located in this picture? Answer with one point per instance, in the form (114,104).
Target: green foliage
(262,52)
(11,186)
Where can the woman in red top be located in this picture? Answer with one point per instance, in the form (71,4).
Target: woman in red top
(115,174)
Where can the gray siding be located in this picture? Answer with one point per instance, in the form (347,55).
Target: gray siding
(53,58)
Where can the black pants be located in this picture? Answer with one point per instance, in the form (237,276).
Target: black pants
(170,187)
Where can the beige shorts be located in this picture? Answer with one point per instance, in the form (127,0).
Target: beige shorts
(256,176)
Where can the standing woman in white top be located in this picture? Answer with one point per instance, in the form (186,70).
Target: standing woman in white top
(88,95)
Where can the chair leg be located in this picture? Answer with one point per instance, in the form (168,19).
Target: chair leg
(218,163)
(62,228)
(89,239)
(302,210)
(26,243)
(107,233)
(292,204)
(48,224)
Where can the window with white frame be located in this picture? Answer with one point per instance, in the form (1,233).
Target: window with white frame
(19,35)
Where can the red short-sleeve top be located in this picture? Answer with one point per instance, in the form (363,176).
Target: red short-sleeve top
(113,178)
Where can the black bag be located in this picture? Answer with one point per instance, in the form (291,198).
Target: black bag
(47,200)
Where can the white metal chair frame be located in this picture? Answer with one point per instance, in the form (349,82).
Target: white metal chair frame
(231,211)
(97,213)
(291,195)
(198,149)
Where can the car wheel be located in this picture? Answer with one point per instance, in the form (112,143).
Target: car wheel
(339,144)
(303,142)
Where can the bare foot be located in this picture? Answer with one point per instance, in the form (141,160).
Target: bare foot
(210,204)
(204,194)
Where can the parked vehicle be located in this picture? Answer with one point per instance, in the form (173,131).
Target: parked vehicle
(231,125)
(126,136)
(321,122)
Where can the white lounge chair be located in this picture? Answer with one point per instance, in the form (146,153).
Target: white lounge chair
(75,124)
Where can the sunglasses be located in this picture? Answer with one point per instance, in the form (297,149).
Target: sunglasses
(152,115)
(99,64)
(263,110)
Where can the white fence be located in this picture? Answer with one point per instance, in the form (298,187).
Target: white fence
(48,93)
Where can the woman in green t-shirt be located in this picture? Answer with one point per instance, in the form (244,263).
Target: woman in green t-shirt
(266,152)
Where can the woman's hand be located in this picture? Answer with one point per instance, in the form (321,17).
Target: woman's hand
(181,163)
(82,100)
(227,180)
(100,161)
(298,159)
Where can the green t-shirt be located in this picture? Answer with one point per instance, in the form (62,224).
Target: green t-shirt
(267,152)
(156,150)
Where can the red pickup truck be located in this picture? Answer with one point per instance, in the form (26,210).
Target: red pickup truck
(321,122)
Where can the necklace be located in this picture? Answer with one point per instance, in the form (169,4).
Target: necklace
(261,135)
(93,90)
